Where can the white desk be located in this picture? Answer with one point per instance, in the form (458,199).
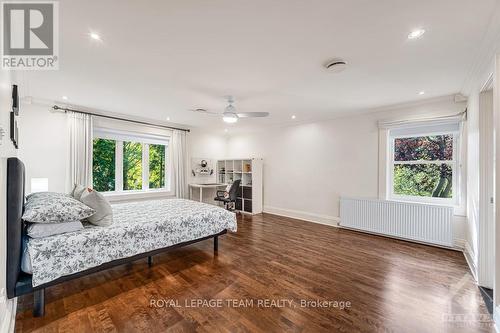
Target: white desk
(201,187)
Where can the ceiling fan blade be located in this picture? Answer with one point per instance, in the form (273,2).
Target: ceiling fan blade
(252,114)
(204,111)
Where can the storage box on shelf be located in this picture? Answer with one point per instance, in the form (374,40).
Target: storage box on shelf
(249,170)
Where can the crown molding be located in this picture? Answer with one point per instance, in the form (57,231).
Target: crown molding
(349,114)
(488,85)
(410,104)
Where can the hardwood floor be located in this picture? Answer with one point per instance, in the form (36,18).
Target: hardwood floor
(391,286)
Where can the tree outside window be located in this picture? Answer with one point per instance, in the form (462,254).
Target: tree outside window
(132,166)
(103,164)
(157,166)
(138,174)
(424,166)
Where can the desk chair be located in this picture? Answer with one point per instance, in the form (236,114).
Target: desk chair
(232,194)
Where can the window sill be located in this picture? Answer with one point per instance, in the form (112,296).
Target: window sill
(137,195)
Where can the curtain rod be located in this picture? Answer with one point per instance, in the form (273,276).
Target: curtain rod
(56,107)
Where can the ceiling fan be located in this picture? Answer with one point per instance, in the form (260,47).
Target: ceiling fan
(230,115)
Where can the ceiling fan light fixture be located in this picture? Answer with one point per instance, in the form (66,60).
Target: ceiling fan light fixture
(230,118)
(230,109)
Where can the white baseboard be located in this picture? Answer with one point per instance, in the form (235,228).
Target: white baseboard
(469,257)
(496,318)
(7,314)
(301,215)
(459,243)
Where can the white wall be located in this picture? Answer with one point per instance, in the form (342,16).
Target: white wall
(308,167)
(207,145)
(473,204)
(44,147)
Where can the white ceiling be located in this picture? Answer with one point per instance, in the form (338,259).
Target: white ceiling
(160,58)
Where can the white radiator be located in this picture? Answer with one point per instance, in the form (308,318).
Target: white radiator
(419,222)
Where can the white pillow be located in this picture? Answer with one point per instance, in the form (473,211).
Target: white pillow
(39,230)
(103,211)
(51,207)
(78,191)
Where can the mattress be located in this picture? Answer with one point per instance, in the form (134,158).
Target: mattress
(138,227)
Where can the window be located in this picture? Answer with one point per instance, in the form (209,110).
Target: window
(132,166)
(157,166)
(129,162)
(424,164)
(103,165)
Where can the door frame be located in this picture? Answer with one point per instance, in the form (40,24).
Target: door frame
(486,242)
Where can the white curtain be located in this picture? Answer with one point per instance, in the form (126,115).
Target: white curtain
(80,155)
(179,163)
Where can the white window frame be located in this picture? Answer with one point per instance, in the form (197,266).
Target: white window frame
(455,164)
(145,139)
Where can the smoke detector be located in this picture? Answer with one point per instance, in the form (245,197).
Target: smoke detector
(336,65)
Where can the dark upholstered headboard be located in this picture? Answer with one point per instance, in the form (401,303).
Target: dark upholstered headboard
(15,206)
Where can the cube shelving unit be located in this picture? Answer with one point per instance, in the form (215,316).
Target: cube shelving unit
(249,170)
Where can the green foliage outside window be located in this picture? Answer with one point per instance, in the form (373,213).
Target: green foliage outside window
(423,179)
(103,165)
(132,166)
(156,166)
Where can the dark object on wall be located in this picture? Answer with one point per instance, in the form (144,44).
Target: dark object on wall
(14,131)
(15,100)
(201,167)
(20,283)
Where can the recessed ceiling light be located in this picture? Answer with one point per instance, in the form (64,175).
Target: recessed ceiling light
(422,93)
(65,98)
(293,117)
(95,36)
(416,34)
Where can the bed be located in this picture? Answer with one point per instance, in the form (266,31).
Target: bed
(140,230)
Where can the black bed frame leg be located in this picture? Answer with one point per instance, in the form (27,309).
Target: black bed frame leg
(150,261)
(39,303)
(216,244)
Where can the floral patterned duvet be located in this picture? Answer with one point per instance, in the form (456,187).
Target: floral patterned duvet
(138,227)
